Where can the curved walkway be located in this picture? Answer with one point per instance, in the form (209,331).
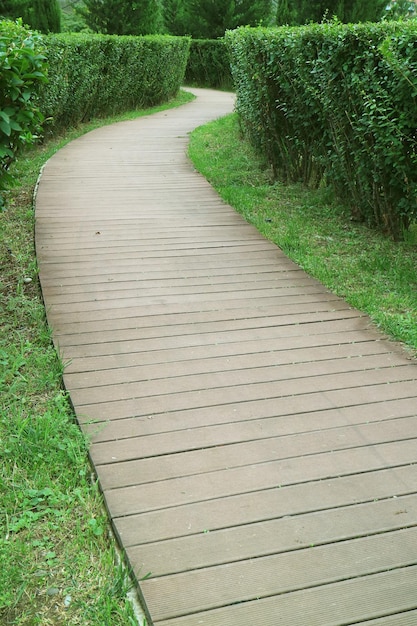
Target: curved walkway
(254,437)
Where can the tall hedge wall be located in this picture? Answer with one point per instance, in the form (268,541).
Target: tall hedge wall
(208,64)
(98,75)
(335,104)
(49,83)
(22,68)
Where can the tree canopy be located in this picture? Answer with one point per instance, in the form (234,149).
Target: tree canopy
(123,17)
(205,19)
(209,19)
(42,15)
(296,12)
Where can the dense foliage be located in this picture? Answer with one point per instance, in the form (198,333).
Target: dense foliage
(123,17)
(22,66)
(401,9)
(208,64)
(336,104)
(12,9)
(176,17)
(42,15)
(297,12)
(88,76)
(198,18)
(45,16)
(98,75)
(209,20)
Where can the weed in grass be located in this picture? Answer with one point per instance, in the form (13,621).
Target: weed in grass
(373,273)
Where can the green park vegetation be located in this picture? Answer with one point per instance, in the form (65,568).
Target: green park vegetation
(60,564)
(197,18)
(371,271)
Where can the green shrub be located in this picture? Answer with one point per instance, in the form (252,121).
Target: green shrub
(208,64)
(22,66)
(335,104)
(99,75)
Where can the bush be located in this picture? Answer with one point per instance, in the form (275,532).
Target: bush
(22,66)
(99,75)
(208,64)
(335,104)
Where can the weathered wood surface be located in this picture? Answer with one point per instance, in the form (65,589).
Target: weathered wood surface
(254,436)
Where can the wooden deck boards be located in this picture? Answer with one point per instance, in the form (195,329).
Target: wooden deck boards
(255,438)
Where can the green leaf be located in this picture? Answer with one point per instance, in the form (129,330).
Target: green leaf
(5,151)
(5,128)
(15,126)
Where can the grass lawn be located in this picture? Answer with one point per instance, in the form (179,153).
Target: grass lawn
(373,273)
(59,563)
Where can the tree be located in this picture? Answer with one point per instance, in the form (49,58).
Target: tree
(13,9)
(210,19)
(45,16)
(123,17)
(369,11)
(401,9)
(176,17)
(42,15)
(286,13)
(296,12)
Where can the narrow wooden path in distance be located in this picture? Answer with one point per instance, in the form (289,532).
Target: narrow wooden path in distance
(254,437)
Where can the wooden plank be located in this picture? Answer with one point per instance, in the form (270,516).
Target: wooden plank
(196,327)
(402,619)
(262,577)
(52,272)
(289,405)
(231,336)
(215,396)
(73,284)
(364,598)
(174,427)
(198,322)
(133,289)
(276,502)
(233,250)
(145,310)
(166,369)
(135,300)
(362,365)
(195,484)
(239,448)
(286,534)
(294,345)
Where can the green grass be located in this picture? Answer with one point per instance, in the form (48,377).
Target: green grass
(59,562)
(373,273)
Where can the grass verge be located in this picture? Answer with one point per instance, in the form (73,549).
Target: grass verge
(371,272)
(59,562)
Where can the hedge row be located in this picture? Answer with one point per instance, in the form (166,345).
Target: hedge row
(335,104)
(87,76)
(22,67)
(100,75)
(208,64)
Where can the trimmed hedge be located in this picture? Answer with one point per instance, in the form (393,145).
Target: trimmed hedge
(22,67)
(99,75)
(209,64)
(335,104)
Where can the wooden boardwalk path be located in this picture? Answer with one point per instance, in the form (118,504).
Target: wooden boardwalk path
(254,437)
